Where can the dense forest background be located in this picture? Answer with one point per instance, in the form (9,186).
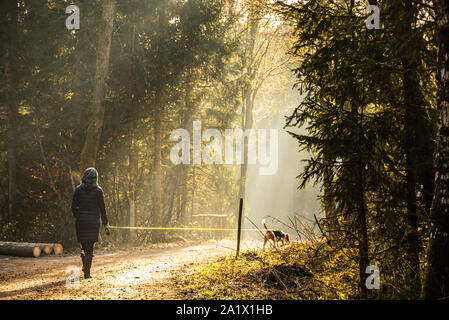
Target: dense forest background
(158,66)
(368,108)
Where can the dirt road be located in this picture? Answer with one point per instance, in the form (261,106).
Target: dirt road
(139,274)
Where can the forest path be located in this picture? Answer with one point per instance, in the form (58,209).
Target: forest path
(137,274)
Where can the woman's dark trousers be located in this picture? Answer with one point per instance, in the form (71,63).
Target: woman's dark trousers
(87,253)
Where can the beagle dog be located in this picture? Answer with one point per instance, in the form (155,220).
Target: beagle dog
(274,235)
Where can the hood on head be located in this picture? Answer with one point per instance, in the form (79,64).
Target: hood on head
(90,179)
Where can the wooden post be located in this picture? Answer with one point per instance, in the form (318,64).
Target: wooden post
(239,228)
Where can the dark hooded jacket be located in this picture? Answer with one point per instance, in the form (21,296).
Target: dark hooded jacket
(88,207)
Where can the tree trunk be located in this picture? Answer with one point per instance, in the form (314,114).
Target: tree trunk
(361,220)
(411,89)
(362,231)
(157,197)
(413,103)
(186,124)
(329,208)
(436,283)
(44,160)
(133,163)
(248,124)
(89,152)
(247,92)
(133,154)
(192,198)
(12,114)
(358,168)
(184,194)
(157,235)
(10,84)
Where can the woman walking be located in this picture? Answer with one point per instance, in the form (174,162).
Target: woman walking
(88,207)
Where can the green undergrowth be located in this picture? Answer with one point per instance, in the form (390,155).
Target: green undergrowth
(298,271)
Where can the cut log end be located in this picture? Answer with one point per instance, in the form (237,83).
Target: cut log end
(47,249)
(36,252)
(58,249)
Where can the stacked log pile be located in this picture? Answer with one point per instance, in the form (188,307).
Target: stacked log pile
(27,249)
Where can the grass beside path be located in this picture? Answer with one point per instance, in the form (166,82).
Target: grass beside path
(298,271)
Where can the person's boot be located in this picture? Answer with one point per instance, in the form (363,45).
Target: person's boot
(87,265)
(83,259)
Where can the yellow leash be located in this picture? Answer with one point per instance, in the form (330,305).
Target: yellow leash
(178,228)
